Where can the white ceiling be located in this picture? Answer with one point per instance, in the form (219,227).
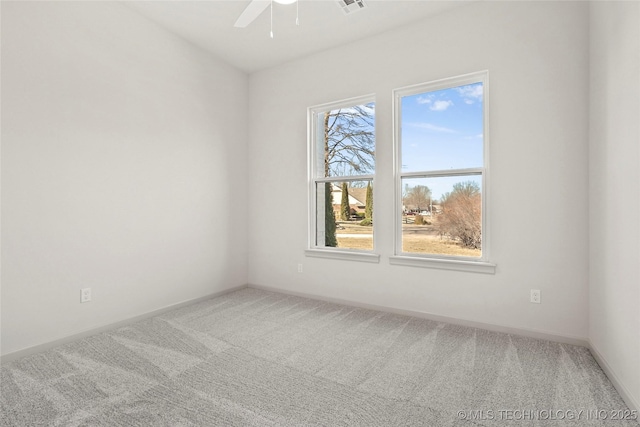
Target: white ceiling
(323,25)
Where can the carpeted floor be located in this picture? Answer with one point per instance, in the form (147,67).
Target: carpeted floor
(257,358)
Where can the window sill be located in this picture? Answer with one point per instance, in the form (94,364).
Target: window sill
(343,255)
(444,264)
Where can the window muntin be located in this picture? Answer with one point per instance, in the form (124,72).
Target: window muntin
(342,138)
(441,144)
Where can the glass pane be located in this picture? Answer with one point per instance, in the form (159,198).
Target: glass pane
(344,219)
(443,129)
(442,216)
(346,141)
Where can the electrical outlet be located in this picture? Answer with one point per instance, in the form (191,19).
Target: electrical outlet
(299,268)
(85,294)
(535,296)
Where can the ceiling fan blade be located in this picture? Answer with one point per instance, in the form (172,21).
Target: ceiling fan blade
(255,8)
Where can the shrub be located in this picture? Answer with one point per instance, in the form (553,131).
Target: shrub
(366,221)
(462,212)
(419,220)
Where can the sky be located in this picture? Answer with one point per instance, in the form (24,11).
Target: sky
(439,131)
(442,130)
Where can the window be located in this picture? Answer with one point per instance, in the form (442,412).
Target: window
(441,173)
(342,168)
(441,176)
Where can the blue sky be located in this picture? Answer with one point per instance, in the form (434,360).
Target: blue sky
(442,130)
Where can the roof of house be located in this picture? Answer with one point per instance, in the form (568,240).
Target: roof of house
(360,194)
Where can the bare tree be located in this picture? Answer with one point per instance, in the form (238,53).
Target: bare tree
(462,214)
(349,149)
(417,197)
(349,141)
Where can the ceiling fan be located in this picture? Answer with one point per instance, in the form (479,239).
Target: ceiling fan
(254,9)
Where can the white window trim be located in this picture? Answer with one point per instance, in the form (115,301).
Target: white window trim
(471,264)
(443,263)
(313,178)
(343,254)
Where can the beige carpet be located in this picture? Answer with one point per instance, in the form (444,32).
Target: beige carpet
(256,358)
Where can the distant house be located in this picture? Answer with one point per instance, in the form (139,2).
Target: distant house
(357,199)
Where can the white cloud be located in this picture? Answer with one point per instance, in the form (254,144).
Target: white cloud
(471,93)
(441,105)
(423,100)
(429,126)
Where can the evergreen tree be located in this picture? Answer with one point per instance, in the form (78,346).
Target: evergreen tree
(329,218)
(368,205)
(345,209)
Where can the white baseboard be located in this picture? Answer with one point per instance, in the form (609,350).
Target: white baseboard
(565,339)
(628,398)
(111,326)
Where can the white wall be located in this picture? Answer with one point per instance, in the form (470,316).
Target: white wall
(123,156)
(537,56)
(614,184)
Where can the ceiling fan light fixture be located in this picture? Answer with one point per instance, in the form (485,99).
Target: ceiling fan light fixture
(256,7)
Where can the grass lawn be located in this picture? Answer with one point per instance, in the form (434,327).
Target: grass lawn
(434,245)
(355,243)
(353,227)
(415,239)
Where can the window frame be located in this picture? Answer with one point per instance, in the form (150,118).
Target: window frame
(315,177)
(449,262)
